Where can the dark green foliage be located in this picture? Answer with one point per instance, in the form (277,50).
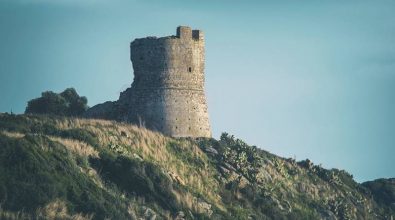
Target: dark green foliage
(67,103)
(138,178)
(25,174)
(48,103)
(77,105)
(34,171)
(383,190)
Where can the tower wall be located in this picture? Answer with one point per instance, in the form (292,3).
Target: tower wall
(167,93)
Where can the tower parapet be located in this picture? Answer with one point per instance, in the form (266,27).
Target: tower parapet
(167,93)
(198,35)
(184,32)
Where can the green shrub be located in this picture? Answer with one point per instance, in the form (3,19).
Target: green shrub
(66,103)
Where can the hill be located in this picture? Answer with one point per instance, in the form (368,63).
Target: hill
(69,168)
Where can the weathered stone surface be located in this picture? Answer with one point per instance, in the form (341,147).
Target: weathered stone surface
(149,214)
(167,93)
(104,110)
(180,216)
(211,150)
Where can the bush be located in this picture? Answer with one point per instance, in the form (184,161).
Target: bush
(67,103)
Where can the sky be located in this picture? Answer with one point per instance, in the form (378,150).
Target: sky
(300,79)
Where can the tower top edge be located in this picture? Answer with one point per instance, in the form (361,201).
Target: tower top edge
(182,33)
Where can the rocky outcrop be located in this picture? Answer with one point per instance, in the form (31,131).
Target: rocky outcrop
(106,110)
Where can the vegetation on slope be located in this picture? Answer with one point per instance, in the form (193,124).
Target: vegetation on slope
(67,168)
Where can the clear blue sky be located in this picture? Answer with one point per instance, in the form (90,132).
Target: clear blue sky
(305,79)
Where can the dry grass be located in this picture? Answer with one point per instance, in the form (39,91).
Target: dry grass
(149,145)
(77,147)
(139,142)
(58,210)
(7,215)
(53,210)
(12,134)
(193,203)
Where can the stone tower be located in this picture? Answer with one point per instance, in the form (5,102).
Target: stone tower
(167,93)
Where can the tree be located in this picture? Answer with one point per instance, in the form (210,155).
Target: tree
(67,103)
(76,105)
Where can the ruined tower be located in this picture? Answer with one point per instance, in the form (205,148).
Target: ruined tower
(167,93)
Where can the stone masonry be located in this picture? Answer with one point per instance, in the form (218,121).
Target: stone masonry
(167,93)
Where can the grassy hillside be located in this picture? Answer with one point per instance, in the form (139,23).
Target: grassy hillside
(65,168)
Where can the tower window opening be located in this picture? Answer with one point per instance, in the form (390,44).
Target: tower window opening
(190,69)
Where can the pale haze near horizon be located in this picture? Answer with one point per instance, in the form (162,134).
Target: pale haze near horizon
(303,80)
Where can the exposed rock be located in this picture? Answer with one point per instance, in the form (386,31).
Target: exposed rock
(223,170)
(149,214)
(230,167)
(211,150)
(180,216)
(137,157)
(263,176)
(202,205)
(243,182)
(104,110)
(176,178)
(124,134)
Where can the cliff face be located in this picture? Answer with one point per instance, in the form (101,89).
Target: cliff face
(67,168)
(167,93)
